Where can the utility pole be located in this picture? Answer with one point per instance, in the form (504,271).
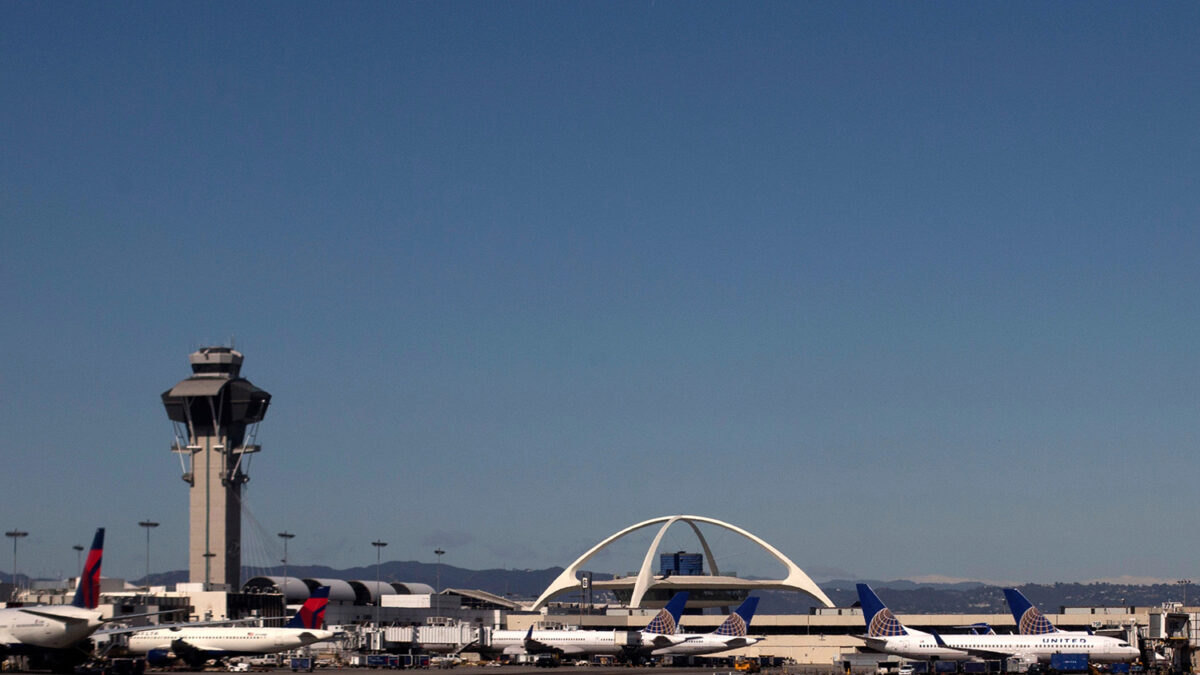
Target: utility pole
(378,596)
(149,525)
(285,536)
(437,598)
(15,535)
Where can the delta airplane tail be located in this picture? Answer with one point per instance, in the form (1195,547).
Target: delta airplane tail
(879,619)
(666,622)
(737,624)
(1030,620)
(87,591)
(312,613)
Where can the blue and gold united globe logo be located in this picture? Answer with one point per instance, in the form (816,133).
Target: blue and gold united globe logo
(734,626)
(885,624)
(663,624)
(1033,622)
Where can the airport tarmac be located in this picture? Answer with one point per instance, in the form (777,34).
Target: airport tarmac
(588,670)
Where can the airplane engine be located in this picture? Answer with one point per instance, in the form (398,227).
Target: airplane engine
(159,657)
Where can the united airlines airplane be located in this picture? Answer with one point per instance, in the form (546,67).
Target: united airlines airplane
(731,634)
(198,644)
(660,632)
(885,633)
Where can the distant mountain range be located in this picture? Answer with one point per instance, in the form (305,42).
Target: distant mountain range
(902,596)
(503,582)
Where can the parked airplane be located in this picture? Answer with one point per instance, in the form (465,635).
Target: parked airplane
(1027,648)
(731,634)
(52,634)
(886,634)
(199,644)
(660,632)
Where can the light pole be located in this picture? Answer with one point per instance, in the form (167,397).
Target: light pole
(437,598)
(78,556)
(285,536)
(15,535)
(149,525)
(378,596)
(1184,583)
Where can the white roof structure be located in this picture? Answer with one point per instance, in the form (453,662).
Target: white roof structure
(361,592)
(795,580)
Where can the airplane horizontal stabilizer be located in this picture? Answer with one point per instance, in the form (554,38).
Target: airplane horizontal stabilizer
(662,641)
(69,620)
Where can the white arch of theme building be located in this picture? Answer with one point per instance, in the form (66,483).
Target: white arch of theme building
(796,579)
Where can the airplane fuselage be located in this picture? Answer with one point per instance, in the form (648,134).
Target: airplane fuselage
(919,645)
(695,644)
(574,642)
(219,641)
(1100,649)
(915,645)
(35,627)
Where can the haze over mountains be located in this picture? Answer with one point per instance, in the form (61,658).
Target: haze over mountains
(902,596)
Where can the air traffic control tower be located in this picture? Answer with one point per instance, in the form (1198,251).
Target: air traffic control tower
(216,414)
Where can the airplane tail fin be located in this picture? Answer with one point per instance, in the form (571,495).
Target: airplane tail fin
(87,591)
(737,624)
(312,612)
(879,619)
(666,622)
(1030,620)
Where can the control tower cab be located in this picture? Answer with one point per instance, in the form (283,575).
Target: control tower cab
(215,413)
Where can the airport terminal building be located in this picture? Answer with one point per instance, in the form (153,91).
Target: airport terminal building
(398,617)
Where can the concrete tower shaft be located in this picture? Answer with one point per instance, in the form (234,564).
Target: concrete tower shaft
(215,412)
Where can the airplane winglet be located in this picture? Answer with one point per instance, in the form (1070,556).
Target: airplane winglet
(979,628)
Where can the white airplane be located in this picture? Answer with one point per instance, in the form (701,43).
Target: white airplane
(885,633)
(660,632)
(52,635)
(196,645)
(731,634)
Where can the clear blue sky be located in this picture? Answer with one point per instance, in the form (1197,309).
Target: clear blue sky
(906,288)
